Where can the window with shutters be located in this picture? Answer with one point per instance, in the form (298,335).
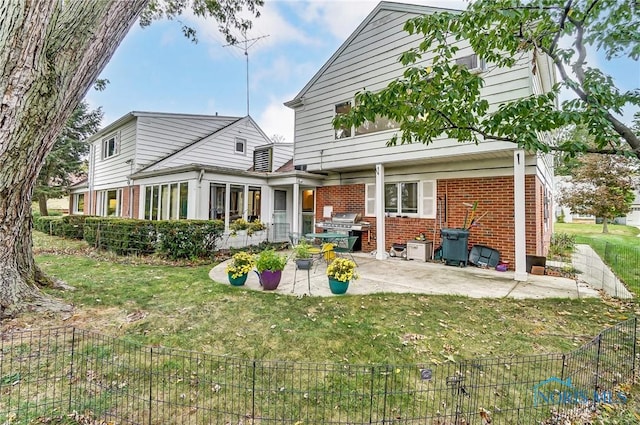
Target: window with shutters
(262,159)
(414,199)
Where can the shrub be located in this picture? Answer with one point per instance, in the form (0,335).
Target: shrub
(562,244)
(68,226)
(270,260)
(188,239)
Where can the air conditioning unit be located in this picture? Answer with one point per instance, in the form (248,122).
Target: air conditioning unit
(300,167)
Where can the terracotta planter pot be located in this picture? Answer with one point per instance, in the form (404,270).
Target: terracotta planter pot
(270,279)
(338,287)
(238,281)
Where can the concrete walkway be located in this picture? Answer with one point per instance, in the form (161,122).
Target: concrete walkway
(401,276)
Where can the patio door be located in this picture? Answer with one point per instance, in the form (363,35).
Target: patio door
(280,224)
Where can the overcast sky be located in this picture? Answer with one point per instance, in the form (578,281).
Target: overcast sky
(157,69)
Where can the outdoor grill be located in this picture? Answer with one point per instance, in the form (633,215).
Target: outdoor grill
(343,222)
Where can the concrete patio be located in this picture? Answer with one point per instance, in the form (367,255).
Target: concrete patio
(402,276)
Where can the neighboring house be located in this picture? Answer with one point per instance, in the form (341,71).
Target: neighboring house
(162,166)
(631,219)
(406,190)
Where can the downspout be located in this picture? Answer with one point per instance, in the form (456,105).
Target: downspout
(199,194)
(92,164)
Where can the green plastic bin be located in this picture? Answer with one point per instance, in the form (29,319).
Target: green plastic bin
(455,250)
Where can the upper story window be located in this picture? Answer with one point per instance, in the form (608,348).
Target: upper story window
(341,109)
(472,62)
(380,124)
(110,146)
(241,146)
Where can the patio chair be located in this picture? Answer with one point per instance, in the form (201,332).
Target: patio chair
(295,238)
(351,242)
(326,254)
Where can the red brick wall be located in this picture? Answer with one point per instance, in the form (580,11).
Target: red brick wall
(125,201)
(495,200)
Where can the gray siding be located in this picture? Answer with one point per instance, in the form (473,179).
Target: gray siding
(219,149)
(112,172)
(160,136)
(370,62)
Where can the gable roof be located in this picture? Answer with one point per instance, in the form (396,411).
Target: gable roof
(193,145)
(382,6)
(135,114)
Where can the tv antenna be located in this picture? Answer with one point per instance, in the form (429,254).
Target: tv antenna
(245,44)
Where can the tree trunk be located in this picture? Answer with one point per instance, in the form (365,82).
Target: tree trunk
(51,52)
(42,205)
(605,227)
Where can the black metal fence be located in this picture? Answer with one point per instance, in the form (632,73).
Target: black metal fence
(623,261)
(54,372)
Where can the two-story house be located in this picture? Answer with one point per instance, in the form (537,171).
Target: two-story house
(406,190)
(164,166)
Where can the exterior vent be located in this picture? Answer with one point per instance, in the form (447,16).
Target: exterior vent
(300,167)
(262,159)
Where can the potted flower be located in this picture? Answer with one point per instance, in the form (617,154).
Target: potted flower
(241,264)
(340,272)
(302,256)
(270,265)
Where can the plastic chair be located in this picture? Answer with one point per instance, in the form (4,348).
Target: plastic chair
(326,254)
(351,242)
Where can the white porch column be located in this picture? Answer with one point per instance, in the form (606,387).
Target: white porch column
(519,216)
(380,238)
(295,220)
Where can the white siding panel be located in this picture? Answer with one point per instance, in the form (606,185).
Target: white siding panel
(112,172)
(219,149)
(159,137)
(371,62)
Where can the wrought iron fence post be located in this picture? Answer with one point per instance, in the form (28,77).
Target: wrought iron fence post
(595,385)
(635,346)
(386,386)
(253,392)
(151,369)
(371,393)
(71,372)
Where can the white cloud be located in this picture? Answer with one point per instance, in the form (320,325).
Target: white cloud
(277,119)
(342,17)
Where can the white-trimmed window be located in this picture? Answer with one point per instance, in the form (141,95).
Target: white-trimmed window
(472,62)
(110,203)
(111,146)
(341,109)
(78,203)
(414,199)
(166,201)
(240,146)
(367,127)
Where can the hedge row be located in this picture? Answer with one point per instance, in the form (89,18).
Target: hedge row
(68,226)
(173,239)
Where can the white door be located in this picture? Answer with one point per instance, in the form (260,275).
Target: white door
(280,225)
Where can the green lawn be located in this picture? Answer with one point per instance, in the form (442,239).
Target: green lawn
(155,303)
(620,248)
(179,306)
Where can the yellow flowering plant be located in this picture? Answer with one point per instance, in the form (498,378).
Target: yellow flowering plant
(241,263)
(342,269)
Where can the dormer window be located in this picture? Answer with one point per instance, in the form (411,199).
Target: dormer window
(241,146)
(472,62)
(110,146)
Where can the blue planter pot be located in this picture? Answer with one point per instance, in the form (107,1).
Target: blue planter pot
(238,281)
(338,287)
